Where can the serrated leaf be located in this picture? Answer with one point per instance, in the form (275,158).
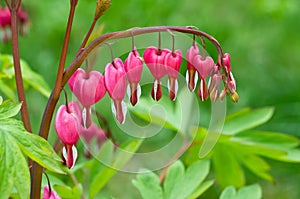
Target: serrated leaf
(14,170)
(9,109)
(175,172)
(194,175)
(35,147)
(30,77)
(247,120)
(148,185)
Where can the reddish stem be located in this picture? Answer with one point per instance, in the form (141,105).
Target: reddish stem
(48,113)
(17,66)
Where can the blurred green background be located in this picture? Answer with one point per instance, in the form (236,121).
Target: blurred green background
(262,37)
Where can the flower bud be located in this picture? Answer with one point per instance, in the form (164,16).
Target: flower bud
(92,133)
(134,66)
(89,87)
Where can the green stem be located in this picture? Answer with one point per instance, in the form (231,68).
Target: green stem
(37,170)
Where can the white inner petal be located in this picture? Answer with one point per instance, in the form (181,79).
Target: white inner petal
(75,155)
(155,86)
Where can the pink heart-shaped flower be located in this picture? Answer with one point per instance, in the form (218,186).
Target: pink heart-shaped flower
(204,65)
(88,88)
(155,60)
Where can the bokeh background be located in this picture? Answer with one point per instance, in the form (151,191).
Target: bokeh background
(262,37)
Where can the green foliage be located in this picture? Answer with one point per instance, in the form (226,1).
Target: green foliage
(30,78)
(178,183)
(248,192)
(67,192)
(14,141)
(241,145)
(113,161)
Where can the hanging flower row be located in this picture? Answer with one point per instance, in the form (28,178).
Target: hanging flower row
(89,86)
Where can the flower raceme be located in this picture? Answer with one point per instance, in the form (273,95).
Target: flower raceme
(89,87)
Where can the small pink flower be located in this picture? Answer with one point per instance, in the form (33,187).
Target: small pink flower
(67,123)
(155,60)
(192,76)
(92,133)
(115,82)
(89,87)
(204,65)
(50,194)
(5,18)
(172,63)
(226,60)
(134,66)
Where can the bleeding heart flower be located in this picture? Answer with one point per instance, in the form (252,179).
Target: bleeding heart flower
(67,123)
(92,133)
(50,193)
(134,66)
(204,65)
(191,76)
(155,60)
(89,87)
(115,82)
(172,63)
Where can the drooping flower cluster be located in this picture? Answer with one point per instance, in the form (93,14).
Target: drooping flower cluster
(89,86)
(5,22)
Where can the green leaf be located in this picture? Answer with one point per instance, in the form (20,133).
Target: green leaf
(9,109)
(227,168)
(175,172)
(14,170)
(269,139)
(7,90)
(194,175)
(228,193)
(1,100)
(68,192)
(30,77)
(120,158)
(257,165)
(35,147)
(247,192)
(148,185)
(201,189)
(246,120)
